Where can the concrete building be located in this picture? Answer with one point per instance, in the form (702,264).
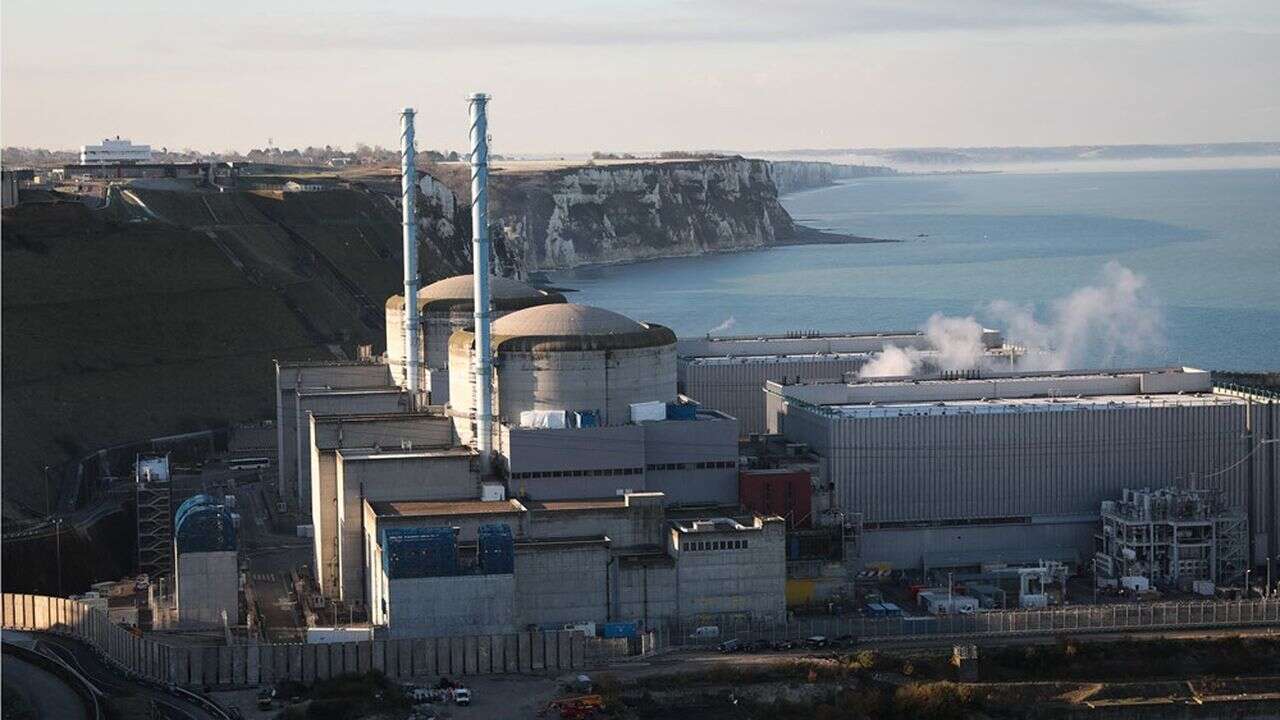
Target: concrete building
(1171,537)
(729,373)
(566,357)
(690,461)
(727,568)
(114,152)
(1014,463)
(329,388)
(568,378)
(372,474)
(625,558)
(207,581)
(330,434)
(444,307)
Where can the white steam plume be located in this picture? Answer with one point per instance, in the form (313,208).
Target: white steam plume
(1094,324)
(892,361)
(724,326)
(1100,324)
(957,343)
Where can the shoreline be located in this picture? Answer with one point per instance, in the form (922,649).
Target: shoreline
(805,235)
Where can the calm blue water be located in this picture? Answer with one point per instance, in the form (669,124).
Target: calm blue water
(1206,242)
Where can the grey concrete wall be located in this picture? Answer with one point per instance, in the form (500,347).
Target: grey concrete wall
(906,547)
(207,584)
(574,462)
(706,451)
(748,581)
(328,434)
(333,402)
(644,591)
(450,606)
(389,478)
(561,584)
(290,377)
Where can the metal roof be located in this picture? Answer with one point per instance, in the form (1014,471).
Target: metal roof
(443,508)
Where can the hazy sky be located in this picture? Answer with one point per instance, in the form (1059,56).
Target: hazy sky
(576,76)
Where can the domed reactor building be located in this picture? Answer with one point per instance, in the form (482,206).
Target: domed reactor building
(510,441)
(585,405)
(443,307)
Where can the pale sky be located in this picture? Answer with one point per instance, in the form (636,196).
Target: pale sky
(641,75)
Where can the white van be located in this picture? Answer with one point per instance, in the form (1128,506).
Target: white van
(706,632)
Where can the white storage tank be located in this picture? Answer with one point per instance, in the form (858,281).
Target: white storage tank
(566,357)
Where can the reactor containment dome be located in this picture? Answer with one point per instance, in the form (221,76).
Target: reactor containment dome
(567,357)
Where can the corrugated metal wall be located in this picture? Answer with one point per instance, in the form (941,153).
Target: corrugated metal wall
(1008,465)
(737,388)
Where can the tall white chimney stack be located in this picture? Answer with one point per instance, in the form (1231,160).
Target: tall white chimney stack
(480,271)
(408,203)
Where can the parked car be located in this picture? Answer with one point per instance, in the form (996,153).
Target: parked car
(730,646)
(462,696)
(815,642)
(706,632)
(782,645)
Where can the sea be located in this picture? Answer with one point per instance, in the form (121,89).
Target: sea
(1203,246)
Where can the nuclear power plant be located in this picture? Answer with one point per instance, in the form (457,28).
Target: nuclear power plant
(517,460)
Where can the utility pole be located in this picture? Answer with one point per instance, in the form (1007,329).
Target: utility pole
(57,533)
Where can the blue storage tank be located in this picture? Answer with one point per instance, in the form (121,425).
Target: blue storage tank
(619,629)
(495,549)
(203,524)
(682,411)
(586,418)
(419,552)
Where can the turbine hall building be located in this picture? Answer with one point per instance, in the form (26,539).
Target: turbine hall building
(1002,466)
(728,373)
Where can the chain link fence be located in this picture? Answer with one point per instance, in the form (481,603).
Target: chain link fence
(1048,621)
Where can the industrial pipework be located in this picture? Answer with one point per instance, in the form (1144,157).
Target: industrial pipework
(480,271)
(408,203)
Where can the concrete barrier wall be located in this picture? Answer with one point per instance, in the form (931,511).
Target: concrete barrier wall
(264,664)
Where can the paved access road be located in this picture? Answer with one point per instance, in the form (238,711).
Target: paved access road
(113,684)
(45,693)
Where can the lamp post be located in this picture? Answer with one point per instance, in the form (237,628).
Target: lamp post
(1246,582)
(57,534)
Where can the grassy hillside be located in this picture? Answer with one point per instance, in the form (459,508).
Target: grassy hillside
(162,312)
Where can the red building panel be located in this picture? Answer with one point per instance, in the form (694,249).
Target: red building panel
(786,493)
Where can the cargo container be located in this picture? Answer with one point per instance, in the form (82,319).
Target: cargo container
(419,552)
(619,629)
(495,549)
(317,635)
(586,418)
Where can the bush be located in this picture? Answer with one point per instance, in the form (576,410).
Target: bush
(934,701)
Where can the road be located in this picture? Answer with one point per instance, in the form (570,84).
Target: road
(269,557)
(112,684)
(45,693)
(687,660)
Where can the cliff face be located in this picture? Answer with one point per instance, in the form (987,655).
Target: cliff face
(621,213)
(794,175)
